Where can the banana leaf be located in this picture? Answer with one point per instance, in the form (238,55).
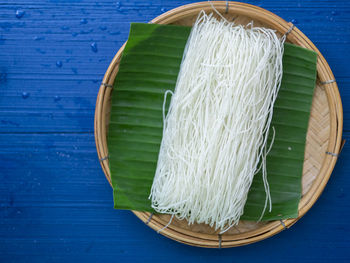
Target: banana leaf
(149,66)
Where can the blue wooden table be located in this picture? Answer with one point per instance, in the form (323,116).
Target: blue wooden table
(55,203)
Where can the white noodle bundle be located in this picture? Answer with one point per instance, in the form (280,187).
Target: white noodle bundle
(215,132)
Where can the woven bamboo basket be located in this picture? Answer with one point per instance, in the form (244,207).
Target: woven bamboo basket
(323,143)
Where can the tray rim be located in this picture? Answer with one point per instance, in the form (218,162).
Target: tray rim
(335,140)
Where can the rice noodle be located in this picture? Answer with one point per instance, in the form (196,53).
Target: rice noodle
(215,133)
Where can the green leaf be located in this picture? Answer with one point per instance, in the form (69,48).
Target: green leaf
(149,66)
(290,120)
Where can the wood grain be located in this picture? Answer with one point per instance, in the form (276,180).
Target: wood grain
(56,205)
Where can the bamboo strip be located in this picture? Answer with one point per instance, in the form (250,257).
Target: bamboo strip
(246,232)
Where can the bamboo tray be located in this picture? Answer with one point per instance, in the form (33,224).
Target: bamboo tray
(323,143)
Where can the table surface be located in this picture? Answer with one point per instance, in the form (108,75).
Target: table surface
(55,203)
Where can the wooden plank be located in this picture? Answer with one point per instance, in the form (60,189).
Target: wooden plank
(55,204)
(50,33)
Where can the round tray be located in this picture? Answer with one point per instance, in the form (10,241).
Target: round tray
(323,141)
